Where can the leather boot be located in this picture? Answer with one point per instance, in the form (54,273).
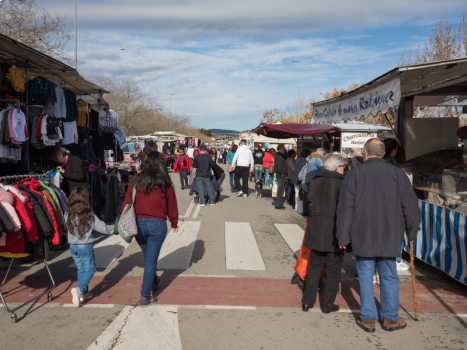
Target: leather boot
(186,183)
(183,186)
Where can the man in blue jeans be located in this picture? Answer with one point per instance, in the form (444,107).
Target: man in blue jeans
(376,205)
(203,163)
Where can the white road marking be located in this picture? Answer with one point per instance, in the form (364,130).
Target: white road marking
(241,249)
(107,251)
(101,306)
(195,214)
(229,307)
(153,328)
(188,211)
(178,247)
(343,271)
(293,235)
(214,276)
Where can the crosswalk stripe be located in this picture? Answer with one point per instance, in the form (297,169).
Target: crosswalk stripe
(107,251)
(178,247)
(293,235)
(195,214)
(152,328)
(241,250)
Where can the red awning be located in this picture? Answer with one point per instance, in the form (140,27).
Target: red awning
(285,131)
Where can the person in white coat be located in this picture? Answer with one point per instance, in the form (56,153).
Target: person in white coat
(245,166)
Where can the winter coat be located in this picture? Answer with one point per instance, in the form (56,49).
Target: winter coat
(203,164)
(179,163)
(268,160)
(28,224)
(314,167)
(44,226)
(322,202)
(244,158)
(376,206)
(6,224)
(280,164)
(291,166)
(194,186)
(299,164)
(218,171)
(75,173)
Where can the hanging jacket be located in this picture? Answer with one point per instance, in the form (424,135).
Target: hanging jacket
(61,197)
(34,185)
(6,225)
(39,208)
(56,203)
(15,76)
(18,205)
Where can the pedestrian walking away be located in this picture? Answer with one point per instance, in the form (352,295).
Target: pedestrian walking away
(81,223)
(281,169)
(376,206)
(219,174)
(154,203)
(203,164)
(321,237)
(183,167)
(245,165)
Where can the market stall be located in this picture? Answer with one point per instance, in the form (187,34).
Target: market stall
(431,146)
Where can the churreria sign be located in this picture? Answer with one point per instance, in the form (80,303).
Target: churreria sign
(381,98)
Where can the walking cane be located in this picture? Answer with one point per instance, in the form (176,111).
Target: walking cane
(413,280)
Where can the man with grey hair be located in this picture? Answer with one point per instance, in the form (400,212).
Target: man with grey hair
(321,237)
(377,204)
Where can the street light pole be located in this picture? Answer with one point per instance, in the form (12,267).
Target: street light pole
(76,35)
(298,116)
(171,104)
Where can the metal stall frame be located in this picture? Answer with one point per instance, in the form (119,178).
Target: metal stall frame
(48,291)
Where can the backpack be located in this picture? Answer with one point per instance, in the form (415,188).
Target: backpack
(302,174)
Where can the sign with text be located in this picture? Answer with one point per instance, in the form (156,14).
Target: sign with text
(381,98)
(352,144)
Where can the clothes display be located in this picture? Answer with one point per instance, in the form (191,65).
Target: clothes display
(31,218)
(83,114)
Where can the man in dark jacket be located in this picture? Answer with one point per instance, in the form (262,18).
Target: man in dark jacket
(321,234)
(203,163)
(219,174)
(377,204)
(281,169)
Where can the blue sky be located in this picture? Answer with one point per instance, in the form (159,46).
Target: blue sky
(220,58)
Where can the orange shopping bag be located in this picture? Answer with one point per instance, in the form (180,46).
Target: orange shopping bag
(303,261)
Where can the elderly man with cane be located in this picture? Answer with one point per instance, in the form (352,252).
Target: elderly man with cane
(376,205)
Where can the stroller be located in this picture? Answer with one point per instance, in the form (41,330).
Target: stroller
(194,188)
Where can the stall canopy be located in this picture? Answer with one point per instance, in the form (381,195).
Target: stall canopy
(39,64)
(285,131)
(435,84)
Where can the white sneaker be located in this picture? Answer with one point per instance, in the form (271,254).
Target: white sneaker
(202,205)
(245,195)
(376,278)
(212,204)
(239,193)
(402,266)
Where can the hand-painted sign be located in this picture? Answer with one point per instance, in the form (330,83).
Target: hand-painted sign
(381,98)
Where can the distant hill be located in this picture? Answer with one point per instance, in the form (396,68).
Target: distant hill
(222,132)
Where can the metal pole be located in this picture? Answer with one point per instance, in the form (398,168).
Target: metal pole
(27,114)
(298,117)
(76,35)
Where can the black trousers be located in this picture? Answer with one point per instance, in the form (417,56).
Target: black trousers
(280,189)
(241,172)
(334,263)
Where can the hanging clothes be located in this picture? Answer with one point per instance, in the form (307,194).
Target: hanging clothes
(60,106)
(71,106)
(83,114)
(41,91)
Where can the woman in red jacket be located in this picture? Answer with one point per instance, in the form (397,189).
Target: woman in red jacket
(268,160)
(183,166)
(155,201)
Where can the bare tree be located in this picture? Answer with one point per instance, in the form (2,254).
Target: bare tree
(29,23)
(296,106)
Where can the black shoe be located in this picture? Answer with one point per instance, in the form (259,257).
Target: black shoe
(305,307)
(280,208)
(273,203)
(329,309)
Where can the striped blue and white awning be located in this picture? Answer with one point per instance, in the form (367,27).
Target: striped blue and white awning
(441,240)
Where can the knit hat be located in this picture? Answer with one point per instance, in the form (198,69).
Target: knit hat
(202,148)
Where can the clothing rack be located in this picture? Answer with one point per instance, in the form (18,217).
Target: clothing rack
(48,292)
(17,102)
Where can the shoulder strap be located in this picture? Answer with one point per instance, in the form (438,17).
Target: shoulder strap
(134,195)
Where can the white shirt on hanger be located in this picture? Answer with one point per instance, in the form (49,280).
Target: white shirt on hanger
(19,123)
(71,133)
